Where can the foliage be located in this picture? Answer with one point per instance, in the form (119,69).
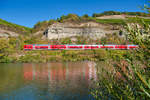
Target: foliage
(5,50)
(125,84)
(113,39)
(140,35)
(69,17)
(31,58)
(85,16)
(119,13)
(130,78)
(66,41)
(40,26)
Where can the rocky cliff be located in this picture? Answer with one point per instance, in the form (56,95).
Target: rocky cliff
(91,29)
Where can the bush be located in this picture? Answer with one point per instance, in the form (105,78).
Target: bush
(5,50)
(130,78)
(69,17)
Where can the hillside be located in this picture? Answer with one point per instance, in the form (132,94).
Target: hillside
(74,25)
(11,29)
(107,17)
(69,29)
(111,20)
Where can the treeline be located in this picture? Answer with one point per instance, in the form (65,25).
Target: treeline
(120,13)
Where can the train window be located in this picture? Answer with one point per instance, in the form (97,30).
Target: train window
(94,46)
(121,47)
(44,47)
(132,47)
(86,46)
(110,46)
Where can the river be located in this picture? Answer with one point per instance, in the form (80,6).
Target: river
(47,81)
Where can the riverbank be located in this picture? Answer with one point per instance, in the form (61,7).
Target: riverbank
(66,55)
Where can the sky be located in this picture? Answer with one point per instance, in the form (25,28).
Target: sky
(29,12)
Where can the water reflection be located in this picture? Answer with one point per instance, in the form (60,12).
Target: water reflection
(51,81)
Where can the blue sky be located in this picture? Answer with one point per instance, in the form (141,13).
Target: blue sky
(29,12)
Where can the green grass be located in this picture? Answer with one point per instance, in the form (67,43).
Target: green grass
(111,21)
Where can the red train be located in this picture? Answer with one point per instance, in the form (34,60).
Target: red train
(76,47)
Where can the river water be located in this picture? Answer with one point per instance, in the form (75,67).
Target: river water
(49,81)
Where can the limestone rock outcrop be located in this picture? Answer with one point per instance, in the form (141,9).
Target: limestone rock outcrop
(6,33)
(91,29)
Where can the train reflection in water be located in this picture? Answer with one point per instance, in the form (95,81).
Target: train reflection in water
(60,71)
(65,81)
(49,81)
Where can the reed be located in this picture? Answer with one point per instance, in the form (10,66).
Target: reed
(130,77)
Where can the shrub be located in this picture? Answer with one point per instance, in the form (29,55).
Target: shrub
(69,17)
(130,78)
(4,50)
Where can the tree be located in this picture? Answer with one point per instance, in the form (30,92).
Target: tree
(85,16)
(69,17)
